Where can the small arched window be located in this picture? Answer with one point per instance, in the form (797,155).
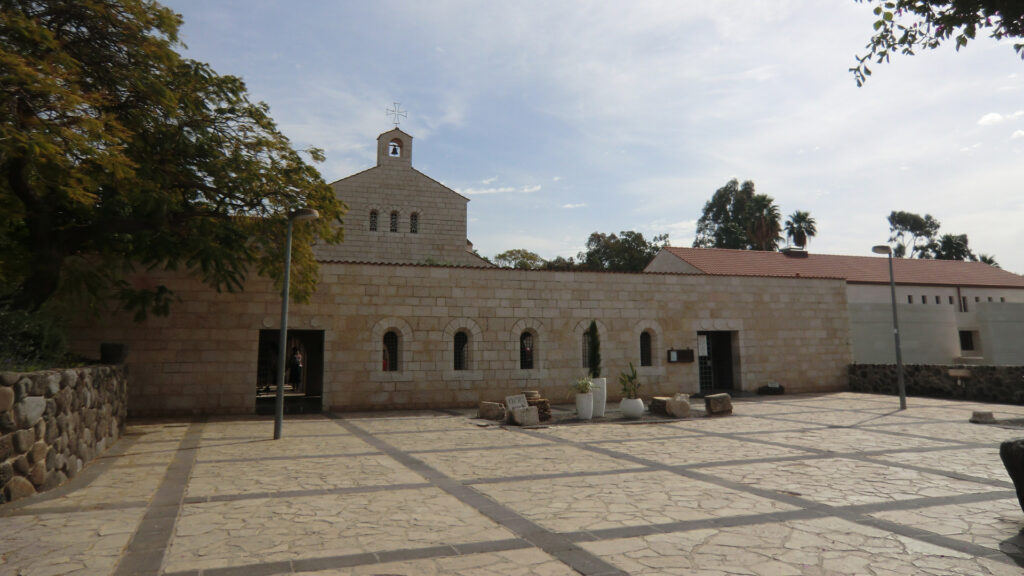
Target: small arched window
(373,220)
(526,351)
(395,148)
(390,363)
(461,350)
(645,348)
(394,222)
(414,223)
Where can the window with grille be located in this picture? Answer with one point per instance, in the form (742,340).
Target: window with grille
(645,348)
(461,350)
(394,221)
(526,351)
(586,350)
(414,223)
(390,363)
(373,221)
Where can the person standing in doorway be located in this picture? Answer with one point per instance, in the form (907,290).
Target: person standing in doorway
(295,369)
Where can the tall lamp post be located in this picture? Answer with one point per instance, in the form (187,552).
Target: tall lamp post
(885,249)
(300,214)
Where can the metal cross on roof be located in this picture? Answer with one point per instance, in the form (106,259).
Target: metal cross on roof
(396,113)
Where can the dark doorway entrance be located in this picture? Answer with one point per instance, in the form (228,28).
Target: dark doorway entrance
(715,361)
(303,390)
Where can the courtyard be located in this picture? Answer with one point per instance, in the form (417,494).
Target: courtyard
(838,483)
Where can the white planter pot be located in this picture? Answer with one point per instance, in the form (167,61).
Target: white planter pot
(632,407)
(600,392)
(585,406)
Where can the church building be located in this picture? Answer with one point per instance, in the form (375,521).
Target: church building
(407,316)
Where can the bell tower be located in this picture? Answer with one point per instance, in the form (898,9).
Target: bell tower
(394,147)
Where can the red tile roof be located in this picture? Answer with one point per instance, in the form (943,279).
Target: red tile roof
(854,269)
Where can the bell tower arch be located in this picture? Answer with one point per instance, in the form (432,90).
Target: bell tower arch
(394,147)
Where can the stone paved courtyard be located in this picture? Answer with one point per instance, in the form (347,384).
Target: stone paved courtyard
(819,484)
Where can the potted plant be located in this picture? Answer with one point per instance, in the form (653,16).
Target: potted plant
(584,398)
(600,385)
(631,405)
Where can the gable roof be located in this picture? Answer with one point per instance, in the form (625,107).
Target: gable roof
(853,269)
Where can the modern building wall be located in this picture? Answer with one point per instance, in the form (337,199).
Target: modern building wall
(203,357)
(1001,331)
(927,336)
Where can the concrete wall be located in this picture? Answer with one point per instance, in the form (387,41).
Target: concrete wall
(928,335)
(53,423)
(203,358)
(1001,331)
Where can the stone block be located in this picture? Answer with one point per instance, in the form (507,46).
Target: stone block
(6,472)
(21,465)
(6,398)
(491,411)
(7,422)
(23,440)
(38,452)
(9,378)
(678,406)
(18,488)
(53,480)
(37,474)
(718,404)
(29,410)
(1012,454)
(526,416)
(979,417)
(6,446)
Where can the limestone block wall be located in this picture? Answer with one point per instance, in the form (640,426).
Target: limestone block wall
(53,423)
(986,383)
(203,357)
(399,188)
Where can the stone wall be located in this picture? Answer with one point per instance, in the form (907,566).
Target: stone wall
(203,358)
(986,383)
(55,422)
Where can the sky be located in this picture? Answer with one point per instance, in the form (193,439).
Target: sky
(562,118)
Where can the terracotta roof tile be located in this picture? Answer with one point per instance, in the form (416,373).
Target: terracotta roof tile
(854,269)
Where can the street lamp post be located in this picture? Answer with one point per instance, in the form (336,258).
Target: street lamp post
(300,214)
(884,249)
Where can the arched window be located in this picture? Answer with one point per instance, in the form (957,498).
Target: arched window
(645,348)
(414,223)
(395,148)
(373,220)
(391,351)
(526,351)
(461,350)
(394,221)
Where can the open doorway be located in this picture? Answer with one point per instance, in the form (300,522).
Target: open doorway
(304,371)
(716,360)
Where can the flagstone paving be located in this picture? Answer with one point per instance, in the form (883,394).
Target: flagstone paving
(800,485)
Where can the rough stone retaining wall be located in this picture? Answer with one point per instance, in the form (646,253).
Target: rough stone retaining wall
(53,423)
(987,383)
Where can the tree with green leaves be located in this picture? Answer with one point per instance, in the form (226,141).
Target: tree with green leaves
(118,154)
(764,231)
(904,26)
(519,258)
(800,227)
(723,224)
(952,247)
(593,350)
(987,259)
(912,234)
(738,218)
(627,252)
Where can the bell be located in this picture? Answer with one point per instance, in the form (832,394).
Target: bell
(394,150)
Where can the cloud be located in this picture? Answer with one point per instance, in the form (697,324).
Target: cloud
(571,206)
(556,178)
(993,118)
(490,180)
(497,190)
(1017,134)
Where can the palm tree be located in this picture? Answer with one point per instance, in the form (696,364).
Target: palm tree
(763,228)
(988,259)
(800,228)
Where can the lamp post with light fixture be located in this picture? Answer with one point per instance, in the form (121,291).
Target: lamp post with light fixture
(885,249)
(300,214)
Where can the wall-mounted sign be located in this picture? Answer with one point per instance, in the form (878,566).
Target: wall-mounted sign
(679,356)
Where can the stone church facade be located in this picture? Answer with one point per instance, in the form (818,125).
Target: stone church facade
(406,316)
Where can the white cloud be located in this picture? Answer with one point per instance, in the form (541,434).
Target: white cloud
(531,189)
(556,178)
(993,118)
(1017,134)
(485,191)
(571,206)
(490,180)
